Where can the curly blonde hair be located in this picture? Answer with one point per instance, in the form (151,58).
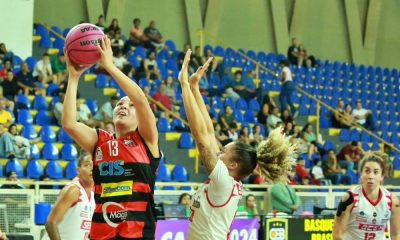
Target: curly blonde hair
(276,156)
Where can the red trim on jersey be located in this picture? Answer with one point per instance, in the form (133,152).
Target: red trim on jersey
(102,231)
(128,206)
(137,187)
(218,206)
(390,202)
(127,227)
(369,200)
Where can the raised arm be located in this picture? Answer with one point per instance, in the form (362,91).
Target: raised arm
(67,198)
(146,119)
(394,219)
(198,127)
(194,86)
(342,216)
(85,136)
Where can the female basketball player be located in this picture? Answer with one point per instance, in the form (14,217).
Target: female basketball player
(215,203)
(71,215)
(365,210)
(124,163)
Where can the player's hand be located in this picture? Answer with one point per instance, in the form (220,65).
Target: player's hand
(74,70)
(195,78)
(106,53)
(183,74)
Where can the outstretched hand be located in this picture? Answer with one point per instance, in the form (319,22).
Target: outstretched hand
(195,78)
(106,53)
(183,74)
(74,70)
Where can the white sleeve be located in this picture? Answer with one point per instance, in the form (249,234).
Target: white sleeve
(221,184)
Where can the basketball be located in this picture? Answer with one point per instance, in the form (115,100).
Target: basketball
(81,44)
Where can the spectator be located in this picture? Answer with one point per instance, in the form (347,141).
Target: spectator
(333,171)
(302,55)
(163,98)
(119,59)
(227,118)
(21,145)
(302,172)
(284,198)
(349,156)
(114,28)
(257,135)
(286,117)
(5,116)
(27,83)
(181,57)
(363,116)
(117,44)
(59,67)
(12,177)
(240,88)
(197,58)
(46,179)
(105,113)
(185,199)
(288,88)
(10,86)
(305,146)
(273,119)
(249,210)
(137,36)
(150,66)
(339,119)
(215,64)
(222,138)
(5,55)
(388,157)
(293,52)
(43,71)
(316,172)
(58,108)
(7,68)
(154,36)
(100,22)
(170,88)
(232,132)
(245,135)
(263,114)
(289,129)
(85,115)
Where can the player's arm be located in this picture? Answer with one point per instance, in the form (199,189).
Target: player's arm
(85,136)
(194,86)
(66,199)
(395,219)
(146,119)
(196,121)
(342,216)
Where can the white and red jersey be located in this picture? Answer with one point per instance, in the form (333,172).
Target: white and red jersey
(214,206)
(368,220)
(76,222)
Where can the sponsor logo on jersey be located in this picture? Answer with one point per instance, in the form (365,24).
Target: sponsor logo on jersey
(99,154)
(114,217)
(86,224)
(116,189)
(370,227)
(111,168)
(130,143)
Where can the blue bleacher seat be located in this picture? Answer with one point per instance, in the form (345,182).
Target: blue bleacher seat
(24,117)
(64,137)
(16,166)
(41,30)
(47,134)
(172,188)
(365,146)
(50,152)
(229,102)
(376,146)
(241,104)
(328,145)
(140,52)
(177,125)
(45,42)
(35,152)
(254,105)
(163,125)
(29,132)
(54,170)
(250,117)
(344,135)
(163,173)
(52,89)
(355,135)
(57,30)
(69,152)
(92,105)
(31,61)
(70,170)
(186,188)
(59,44)
(66,31)
(179,174)
(43,118)
(134,61)
(186,141)
(34,169)
(102,81)
(1,171)
(22,102)
(239,117)
(171,45)
(365,137)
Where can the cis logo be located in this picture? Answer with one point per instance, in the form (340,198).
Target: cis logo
(111,168)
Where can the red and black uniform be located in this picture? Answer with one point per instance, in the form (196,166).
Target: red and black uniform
(124,173)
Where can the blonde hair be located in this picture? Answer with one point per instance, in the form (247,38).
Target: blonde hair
(276,156)
(374,156)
